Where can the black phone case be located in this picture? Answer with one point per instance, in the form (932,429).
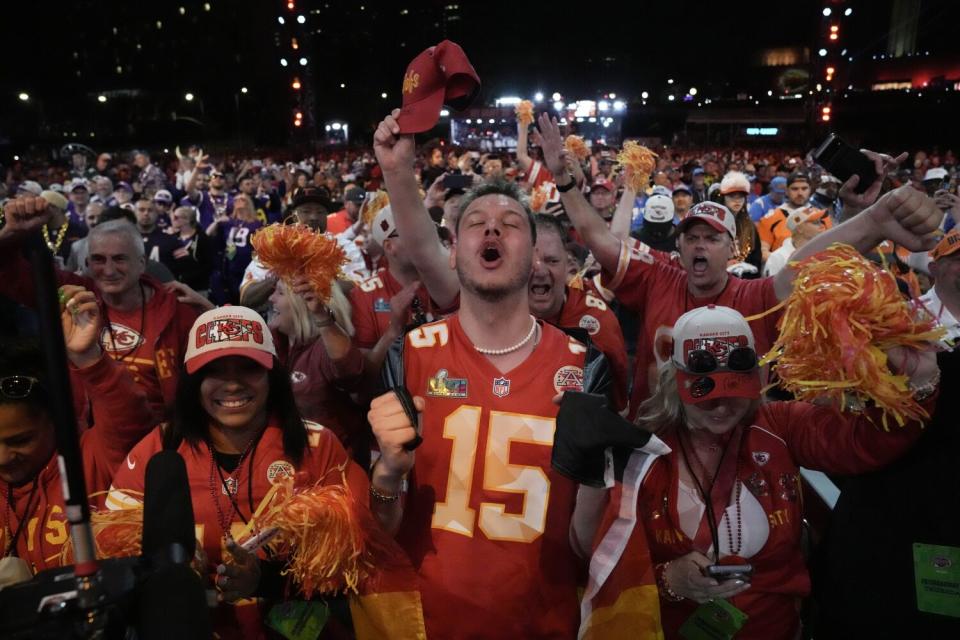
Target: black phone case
(843,161)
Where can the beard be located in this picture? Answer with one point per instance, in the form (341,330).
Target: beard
(495,292)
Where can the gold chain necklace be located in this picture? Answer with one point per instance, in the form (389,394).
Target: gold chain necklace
(54,245)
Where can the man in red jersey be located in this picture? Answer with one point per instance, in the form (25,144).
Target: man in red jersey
(661,292)
(482,515)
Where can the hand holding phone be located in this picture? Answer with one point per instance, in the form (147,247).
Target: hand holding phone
(843,161)
(723,572)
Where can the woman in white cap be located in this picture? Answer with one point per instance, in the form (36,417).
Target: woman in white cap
(236,424)
(734,190)
(720,507)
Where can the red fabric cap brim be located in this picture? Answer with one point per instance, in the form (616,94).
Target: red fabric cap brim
(262,358)
(728,384)
(422,115)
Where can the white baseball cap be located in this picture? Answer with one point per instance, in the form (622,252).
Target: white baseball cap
(229,331)
(715,355)
(714,214)
(937,173)
(658,208)
(383,225)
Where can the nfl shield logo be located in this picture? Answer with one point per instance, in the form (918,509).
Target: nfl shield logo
(501,387)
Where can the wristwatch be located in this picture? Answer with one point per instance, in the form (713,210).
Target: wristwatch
(563,188)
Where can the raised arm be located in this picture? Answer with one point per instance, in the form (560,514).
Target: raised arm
(592,228)
(905,216)
(523,156)
(623,216)
(395,153)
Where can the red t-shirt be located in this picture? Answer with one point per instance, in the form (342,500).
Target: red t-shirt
(324,462)
(338,222)
(370,302)
(131,338)
(658,292)
(585,310)
(538,174)
(486,518)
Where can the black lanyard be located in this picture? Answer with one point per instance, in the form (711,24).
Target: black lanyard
(12,547)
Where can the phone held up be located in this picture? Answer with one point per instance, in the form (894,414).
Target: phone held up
(843,161)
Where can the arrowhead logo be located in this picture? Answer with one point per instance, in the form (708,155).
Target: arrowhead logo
(130,463)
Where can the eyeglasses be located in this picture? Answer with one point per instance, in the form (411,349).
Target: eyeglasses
(17,387)
(740,360)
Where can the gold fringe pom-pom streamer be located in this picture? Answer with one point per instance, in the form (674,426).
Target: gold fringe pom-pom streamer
(319,532)
(576,146)
(294,250)
(639,164)
(842,316)
(539,197)
(524,111)
(116,534)
(372,206)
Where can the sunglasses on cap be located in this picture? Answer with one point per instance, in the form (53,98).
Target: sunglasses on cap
(739,360)
(17,387)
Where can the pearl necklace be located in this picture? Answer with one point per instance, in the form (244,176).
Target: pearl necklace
(501,352)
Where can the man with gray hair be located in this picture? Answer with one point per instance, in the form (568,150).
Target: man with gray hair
(145,325)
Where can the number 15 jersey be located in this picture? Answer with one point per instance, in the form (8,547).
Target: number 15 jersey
(486,519)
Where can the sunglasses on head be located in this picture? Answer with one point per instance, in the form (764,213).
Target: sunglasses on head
(740,360)
(17,387)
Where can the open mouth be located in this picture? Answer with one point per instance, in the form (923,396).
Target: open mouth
(540,289)
(700,265)
(234,403)
(490,255)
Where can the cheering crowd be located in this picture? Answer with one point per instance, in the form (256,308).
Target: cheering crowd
(438,383)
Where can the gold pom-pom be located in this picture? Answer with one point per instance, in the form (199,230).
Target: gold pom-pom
(372,206)
(295,250)
(116,534)
(844,313)
(639,163)
(524,111)
(576,146)
(539,197)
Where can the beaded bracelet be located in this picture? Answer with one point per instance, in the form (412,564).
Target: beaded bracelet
(383,498)
(660,571)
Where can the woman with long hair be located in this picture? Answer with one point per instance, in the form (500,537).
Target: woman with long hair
(734,189)
(314,344)
(720,508)
(236,424)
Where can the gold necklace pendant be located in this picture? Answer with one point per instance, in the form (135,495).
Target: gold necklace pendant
(54,245)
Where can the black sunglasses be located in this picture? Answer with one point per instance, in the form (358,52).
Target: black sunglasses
(740,360)
(17,387)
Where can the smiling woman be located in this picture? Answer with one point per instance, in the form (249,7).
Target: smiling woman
(235,423)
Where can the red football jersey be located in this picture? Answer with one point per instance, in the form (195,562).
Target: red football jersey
(324,461)
(370,303)
(486,519)
(657,290)
(585,310)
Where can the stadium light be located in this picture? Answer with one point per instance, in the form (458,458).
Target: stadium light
(244,90)
(444,113)
(557,106)
(283,62)
(101,98)
(281,20)
(556,96)
(24,96)
(303,62)
(538,97)
(823,53)
(693,91)
(671,97)
(645,95)
(603,105)
(301,19)
(295,84)
(848,12)
(826,12)
(188,97)
(506,101)
(619,105)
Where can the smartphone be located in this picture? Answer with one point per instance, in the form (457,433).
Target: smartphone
(730,571)
(843,161)
(457,181)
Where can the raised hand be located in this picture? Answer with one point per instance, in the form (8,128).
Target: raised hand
(548,138)
(882,164)
(23,216)
(908,217)
(395,152)
(80,318)
(392,428)
(188,295)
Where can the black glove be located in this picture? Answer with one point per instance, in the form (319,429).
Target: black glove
(585,428)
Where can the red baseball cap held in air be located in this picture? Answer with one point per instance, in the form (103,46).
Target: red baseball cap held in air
(441,75)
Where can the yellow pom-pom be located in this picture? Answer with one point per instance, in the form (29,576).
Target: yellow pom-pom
(524,111)
(576,146)
(116,534)
(639,163)
(539,197)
